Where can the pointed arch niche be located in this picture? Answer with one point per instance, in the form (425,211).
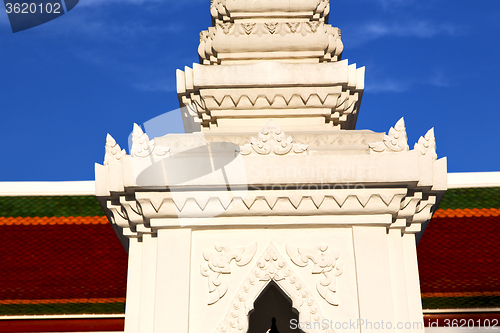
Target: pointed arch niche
(272,271)
(273,303)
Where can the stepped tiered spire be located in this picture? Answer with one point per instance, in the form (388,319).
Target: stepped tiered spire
(264,59)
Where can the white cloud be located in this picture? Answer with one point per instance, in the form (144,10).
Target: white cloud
(438,80)
(399,85)
(421,29)
(387,85)
(361,34)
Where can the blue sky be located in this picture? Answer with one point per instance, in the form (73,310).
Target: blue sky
(107,64)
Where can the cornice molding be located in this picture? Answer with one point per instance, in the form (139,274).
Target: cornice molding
(409,211)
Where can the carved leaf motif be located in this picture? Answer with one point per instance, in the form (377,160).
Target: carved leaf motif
(112,151)
(427,144)
(271,27)
(220,263)
(396,141)
(248,27)
(272,140)
(313,26)
(226,27)
(324,263)
(142,147)
(293,26)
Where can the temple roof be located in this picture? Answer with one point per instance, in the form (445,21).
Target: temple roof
(62,256)
(458,255)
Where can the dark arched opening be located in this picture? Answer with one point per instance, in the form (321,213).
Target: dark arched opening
(273,303)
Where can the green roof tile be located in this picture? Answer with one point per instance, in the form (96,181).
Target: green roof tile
(50,206)
(53,309)
(488,197)
(461,302)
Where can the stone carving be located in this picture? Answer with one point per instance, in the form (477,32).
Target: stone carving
(142,147)
(223,10)
(304,28)
(276,98)
(323,40)
(324,263)
(270,266)
(276,203)
(396,141)
(334,139)
(272,140)
(220,263)
(247,28)
(226,27)
(427,144)
(271,27)
(112,150)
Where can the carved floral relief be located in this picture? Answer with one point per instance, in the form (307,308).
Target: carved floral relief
(324,263)
(219,262)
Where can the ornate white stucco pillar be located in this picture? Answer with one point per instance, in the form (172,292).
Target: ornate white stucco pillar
(272,185)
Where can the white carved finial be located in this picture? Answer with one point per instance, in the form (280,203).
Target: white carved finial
(112,150)
(427,144)
(142,147)
(395,141)
(272,140)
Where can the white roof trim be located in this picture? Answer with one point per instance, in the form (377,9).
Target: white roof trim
(473,179)
(455,180)
(46,188)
